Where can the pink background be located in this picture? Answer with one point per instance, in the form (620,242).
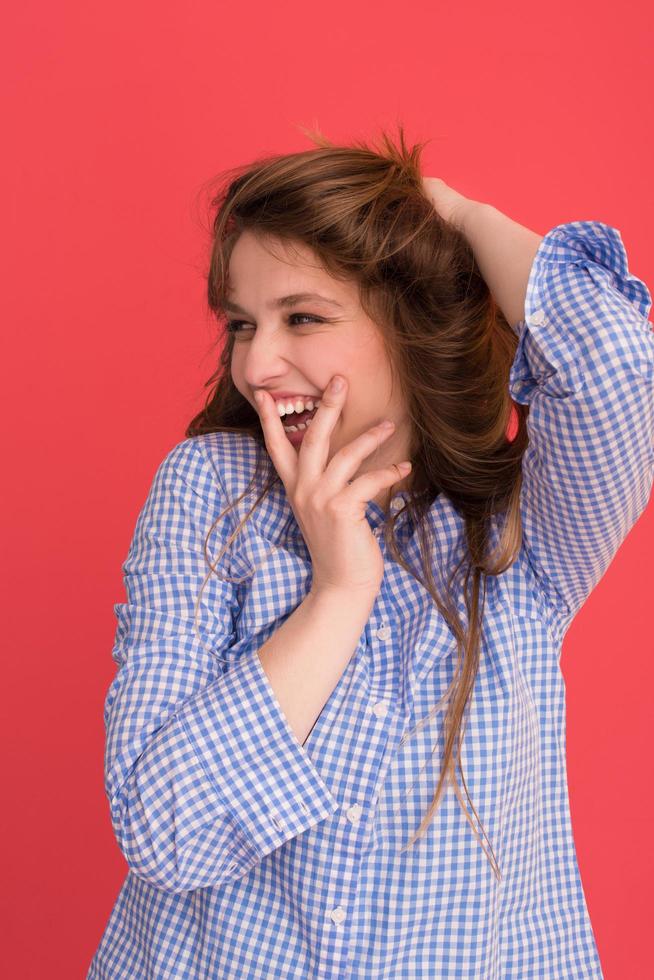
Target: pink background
(114,116)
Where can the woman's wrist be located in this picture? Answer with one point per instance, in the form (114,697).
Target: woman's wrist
(504,251)
(452,206)
(467,216)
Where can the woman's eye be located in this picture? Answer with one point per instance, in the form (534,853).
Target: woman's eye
(234,326)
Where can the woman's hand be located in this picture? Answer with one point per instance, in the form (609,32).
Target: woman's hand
(331,513)
(448,203)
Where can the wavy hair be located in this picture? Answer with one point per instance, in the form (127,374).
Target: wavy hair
(364,213)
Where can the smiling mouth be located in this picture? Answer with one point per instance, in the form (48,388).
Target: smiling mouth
(299,418)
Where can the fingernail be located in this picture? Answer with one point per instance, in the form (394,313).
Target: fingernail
(258,397)
(337,383)
(386,424)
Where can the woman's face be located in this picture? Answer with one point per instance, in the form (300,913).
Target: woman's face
(298,348)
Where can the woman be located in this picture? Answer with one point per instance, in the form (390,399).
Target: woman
(336,736)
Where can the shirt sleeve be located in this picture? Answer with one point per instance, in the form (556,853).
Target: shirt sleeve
(203,772)
(585,366)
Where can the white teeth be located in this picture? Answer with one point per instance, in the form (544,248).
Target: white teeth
(298,428)
(287,408)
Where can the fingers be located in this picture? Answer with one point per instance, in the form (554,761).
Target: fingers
(280,450)
(368,485)
(309,466)
(314,451)
(346,462)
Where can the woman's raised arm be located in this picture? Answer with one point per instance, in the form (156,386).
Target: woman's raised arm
(504,250)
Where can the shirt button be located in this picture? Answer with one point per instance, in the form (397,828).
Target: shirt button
(397,504)
(277,822)
(380,709)
(304,806)
(338,914)
(383,633)
(537,317)
(354,813)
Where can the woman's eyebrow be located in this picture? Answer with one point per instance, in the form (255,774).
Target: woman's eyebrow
(285,301)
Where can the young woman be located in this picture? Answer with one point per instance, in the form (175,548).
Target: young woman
(336,735)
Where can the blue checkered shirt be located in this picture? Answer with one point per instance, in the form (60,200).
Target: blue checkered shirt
(252,856)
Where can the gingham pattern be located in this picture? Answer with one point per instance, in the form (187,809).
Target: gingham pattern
(251,856)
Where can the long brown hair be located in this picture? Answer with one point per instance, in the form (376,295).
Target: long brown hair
(364,213)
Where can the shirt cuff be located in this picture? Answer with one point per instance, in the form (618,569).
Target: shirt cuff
(260,771)
(597,247)
(556,337)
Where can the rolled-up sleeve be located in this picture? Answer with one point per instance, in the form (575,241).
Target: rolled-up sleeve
(585,367)
(203,773)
